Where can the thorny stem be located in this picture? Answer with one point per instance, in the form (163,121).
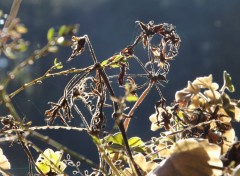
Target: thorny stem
(135,106)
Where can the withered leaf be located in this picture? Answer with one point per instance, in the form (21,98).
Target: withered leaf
(78,46)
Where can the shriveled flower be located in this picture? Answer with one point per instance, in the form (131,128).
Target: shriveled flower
(140,160)
(154,125)
(163,150)
(193,89)
(184,95)
(78,46)
(161,118)
(145,165)
(50,162)
(205,82)
(229,138)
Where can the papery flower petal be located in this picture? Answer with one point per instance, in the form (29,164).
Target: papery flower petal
(186,93)
(146,166)
(154,126)
(4,163)
(215,86)
(203,82)
(229,139)
(212,95)
(191,157)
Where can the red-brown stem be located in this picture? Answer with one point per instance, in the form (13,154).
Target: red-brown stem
(135,106)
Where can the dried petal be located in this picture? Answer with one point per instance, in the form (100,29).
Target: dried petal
(229,139)
(4,163)
(186,93)
(181,161)
(212,95)
(154,125)
(146,166)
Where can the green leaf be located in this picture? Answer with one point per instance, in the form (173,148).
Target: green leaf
(135,142)
(58,65)
(227,106)
(114,61)
(96,140)
(228,82)
(117,58)
(116,147)
(62,30)
(104,63)
(116,138)
(131,98)
(50,34)
(22,46)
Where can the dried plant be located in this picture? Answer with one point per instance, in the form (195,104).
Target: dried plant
(196,126)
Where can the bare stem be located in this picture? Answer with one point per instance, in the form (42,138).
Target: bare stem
(135,106)
(13,14)
(7,103)
(91,49)
(59,146)
(29,61)
(118,120)
(47,75)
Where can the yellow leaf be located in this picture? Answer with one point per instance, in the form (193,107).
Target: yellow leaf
(50,161)
(21,29)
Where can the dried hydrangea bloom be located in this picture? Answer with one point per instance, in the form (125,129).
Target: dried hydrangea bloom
(191,157)
(4,163)
(161,118)
(140,160)
(193,89)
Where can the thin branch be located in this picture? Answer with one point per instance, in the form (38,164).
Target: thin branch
(91,49)
(27,151)
(8,104)
(118,120)
(59,146)
(13,14)
(29,61)
(47,75)
(137,103)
